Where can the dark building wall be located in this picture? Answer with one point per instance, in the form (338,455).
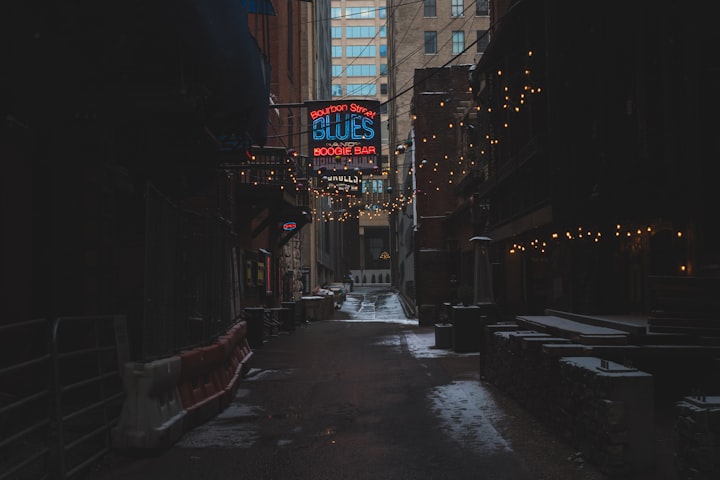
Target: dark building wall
(440,95)
(97,103)
(618,136)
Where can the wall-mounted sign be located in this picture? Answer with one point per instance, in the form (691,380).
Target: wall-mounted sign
(287,226)
(341,184)
(344,135)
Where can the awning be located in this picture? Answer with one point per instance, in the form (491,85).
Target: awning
(228,56)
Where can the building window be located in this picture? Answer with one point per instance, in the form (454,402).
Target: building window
(336,51)
(336,32)
(458,42)
(482,40)
(430,42)
(382,12)
(337,90)
(481,8)
(360,32)
(383,69)
(354,13)
(457,8)
(367,70)
(335,13)
(337,70)
(352,51)
(383,89)
(372,186)
(383,32)
(361,89)
(430,9)
(383,51)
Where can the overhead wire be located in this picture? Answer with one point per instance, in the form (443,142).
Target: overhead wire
(436,70)
(431,58)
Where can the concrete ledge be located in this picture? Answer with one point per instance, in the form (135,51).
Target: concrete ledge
(580,332)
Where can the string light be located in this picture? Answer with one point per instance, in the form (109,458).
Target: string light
(634,237)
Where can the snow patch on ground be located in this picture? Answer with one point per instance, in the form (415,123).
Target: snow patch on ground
(233,427)
(467,411)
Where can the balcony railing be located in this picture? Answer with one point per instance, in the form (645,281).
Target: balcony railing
(269,167)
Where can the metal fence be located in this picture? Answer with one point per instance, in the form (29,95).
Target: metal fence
(191,284)
(61,394)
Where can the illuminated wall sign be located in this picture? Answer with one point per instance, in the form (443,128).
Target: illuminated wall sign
(345,135)
(341,184)
(289,226)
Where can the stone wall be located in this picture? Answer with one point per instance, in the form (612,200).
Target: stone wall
(698,438)
(603,409)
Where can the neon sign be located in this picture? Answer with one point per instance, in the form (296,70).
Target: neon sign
(345,135)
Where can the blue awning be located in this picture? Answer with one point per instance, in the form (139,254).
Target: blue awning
(230,58)
(263,7)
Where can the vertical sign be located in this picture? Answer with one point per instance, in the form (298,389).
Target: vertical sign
(344,135)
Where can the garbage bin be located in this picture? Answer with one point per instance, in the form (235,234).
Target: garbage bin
(300,312)
(427,314)
(443,335)
(255,326)
(313,308)
(467,328)
(288,318)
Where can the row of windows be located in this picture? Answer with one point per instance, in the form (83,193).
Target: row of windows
(363,70)
(352,51)
(457,8)
(358,32)
(373,186)
(458,42)
(359,90)
(354,13)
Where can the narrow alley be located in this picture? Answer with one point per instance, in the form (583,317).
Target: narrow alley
(364,395)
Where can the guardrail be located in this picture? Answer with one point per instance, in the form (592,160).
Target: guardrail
(60,394)
(69,394)
(86,356)
(167,397)
(25,397)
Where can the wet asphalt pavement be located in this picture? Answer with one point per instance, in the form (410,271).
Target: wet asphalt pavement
(364,395)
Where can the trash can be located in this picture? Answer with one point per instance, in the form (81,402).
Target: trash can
(300,312)
(443,335)
(255,326)
(288,318)
(427,314)
(313,308)
(467,328)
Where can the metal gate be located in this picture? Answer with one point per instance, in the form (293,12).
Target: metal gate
(61,394)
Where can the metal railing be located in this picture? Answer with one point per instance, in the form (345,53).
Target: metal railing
(62,394)
(25,399)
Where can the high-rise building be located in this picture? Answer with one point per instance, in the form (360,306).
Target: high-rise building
(425,36)
(360,71)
